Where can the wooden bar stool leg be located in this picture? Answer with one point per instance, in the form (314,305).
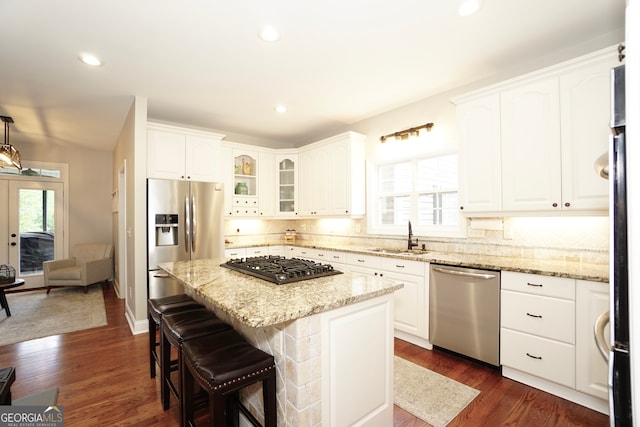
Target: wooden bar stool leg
(216,410)
(187,404)
(269,398)
(153,327)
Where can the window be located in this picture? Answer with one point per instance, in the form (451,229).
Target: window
(423,191)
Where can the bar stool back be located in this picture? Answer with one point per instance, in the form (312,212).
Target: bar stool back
(222,365)
(176,329)
(156,308)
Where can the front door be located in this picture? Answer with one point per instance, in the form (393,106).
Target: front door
(34,226)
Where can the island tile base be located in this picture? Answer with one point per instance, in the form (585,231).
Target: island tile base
(334,368)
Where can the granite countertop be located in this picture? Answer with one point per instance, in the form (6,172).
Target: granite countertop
(546,267)
(258,303)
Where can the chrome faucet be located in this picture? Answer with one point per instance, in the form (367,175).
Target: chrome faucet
(410,243)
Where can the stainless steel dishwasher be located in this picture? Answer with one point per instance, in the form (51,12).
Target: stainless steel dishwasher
(464,311)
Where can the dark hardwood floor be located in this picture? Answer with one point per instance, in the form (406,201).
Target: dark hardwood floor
(103,380)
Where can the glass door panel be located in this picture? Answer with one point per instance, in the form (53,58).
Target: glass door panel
(35,227)
(286,181)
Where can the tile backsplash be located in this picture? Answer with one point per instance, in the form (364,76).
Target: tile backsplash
(583,239)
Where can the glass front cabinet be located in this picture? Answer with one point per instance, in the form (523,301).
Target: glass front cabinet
(287,184)
(245,196)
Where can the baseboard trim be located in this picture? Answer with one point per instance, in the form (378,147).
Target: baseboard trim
(136,326)
(572,395)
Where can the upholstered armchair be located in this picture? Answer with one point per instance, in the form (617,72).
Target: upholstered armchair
(91,263)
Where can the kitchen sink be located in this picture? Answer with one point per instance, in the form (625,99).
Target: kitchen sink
(397,251)
(392,251)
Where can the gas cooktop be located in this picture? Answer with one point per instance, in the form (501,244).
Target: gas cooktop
(280,270)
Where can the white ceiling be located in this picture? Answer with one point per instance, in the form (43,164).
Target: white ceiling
(201,63)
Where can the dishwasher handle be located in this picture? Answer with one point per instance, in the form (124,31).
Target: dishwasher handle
(485,276)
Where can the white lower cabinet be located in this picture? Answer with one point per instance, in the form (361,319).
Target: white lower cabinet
(356,352)
(276,250)
(411,303)
(546,336)
(235,253)
(592,299)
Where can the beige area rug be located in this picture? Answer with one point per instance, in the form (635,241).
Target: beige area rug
(428,395)
(36,314)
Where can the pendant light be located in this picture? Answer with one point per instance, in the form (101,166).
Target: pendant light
(9,156)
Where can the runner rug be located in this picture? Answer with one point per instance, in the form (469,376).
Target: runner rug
(428,395)
(36,314)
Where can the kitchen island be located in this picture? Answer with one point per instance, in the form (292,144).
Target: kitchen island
(332,338)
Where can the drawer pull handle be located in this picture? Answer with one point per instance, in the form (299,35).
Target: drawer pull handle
(399,266)
(534,357)
(360,260)
(537,316)
(537,285)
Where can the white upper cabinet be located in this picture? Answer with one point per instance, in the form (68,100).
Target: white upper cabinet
(528,145)
(184,154)
(530,129)
(287,184)
(266,183)
(479,154)
(332,176)
(585,113)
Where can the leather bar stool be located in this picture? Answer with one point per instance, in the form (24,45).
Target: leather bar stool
(176,329)
(156,308)
(223,364)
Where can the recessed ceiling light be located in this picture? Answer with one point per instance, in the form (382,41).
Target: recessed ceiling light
(269,34)
(280,108)
(468,7)
(91,60)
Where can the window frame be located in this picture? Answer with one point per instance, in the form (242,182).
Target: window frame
(374,225)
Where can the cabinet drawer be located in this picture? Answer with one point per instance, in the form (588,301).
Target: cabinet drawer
(245,201)
(548,359)
(552,318)
(330,257)
(362,260)
(305,253)
(258,251)
(551,286)
(235,253)
(416,268)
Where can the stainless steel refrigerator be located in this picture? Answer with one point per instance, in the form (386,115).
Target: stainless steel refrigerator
(184,222)
(618,353)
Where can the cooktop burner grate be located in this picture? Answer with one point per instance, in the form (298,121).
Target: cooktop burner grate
(280,270)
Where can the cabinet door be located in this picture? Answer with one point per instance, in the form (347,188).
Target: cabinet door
(585,112)
(339,178)
(479,154)
(322,186)
(165,154)
(592,299)
(314,180)
(305,174)
(531,164)
(411,313)
(227,169)
(287,185)
(266,184)
(202,159)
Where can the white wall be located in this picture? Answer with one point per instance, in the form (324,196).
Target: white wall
(89,187)
(131,146)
